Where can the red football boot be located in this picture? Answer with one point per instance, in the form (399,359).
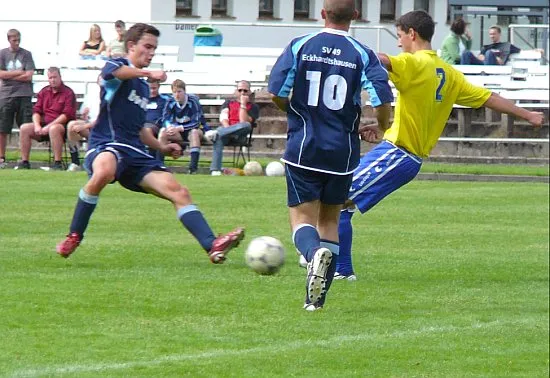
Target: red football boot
(224,243)
(68,246)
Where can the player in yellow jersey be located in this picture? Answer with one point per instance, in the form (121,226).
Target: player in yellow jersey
(428,88)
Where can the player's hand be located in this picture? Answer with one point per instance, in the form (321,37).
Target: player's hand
(158,75)
(536,118)
(369,133)
(172,149)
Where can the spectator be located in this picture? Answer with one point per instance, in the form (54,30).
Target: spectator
(155,107)
(79,129)
(183,121)
(16,69)
(450,49)
(496,53)
(55,106)
(236,121)
(95,44)
(115,49)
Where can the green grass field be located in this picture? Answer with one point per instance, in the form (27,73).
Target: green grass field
(453,281)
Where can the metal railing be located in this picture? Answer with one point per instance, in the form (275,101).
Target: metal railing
(514,33)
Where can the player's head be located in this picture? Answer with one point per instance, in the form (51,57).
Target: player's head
(178,90)
(54,77)
(140,42)
(414,29)
(494,34)
(339,12)
(458,26)
(14,38)
(95,33)
(243,88)
(154,86)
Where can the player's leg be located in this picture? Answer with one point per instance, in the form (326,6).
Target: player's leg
(103,168)
(73,139)
(195,137)
(344,267)
(164,185)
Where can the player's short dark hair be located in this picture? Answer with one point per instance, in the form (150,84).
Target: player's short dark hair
(419,21)
(137,31)
(458,26)
(339,12)
(120,24)
(497,28)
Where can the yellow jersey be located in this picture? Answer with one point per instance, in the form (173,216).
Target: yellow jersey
(428,88)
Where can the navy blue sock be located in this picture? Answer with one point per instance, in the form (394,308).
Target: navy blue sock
(345,234)
(193,220)
(335,249)
(195,154)
(306,239)
(84,208)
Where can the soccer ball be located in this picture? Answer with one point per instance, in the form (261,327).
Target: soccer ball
(253,168)
(275,169)
(265,255)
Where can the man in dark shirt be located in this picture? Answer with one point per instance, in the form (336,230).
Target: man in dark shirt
(55,107)
(496,53)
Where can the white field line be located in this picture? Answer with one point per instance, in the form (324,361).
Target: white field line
(271,349)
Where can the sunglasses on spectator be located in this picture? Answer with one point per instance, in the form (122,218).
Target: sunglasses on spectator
(243,90)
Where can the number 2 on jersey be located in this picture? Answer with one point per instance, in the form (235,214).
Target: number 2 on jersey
(334,90)
(441,74)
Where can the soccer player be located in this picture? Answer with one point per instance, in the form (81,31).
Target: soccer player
(326,72)
(116,149)
(428,88)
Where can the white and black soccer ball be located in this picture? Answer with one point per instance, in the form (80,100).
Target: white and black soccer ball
(275,168)
(253,168)
(265,255)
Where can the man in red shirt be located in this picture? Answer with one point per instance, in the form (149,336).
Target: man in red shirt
(55,107)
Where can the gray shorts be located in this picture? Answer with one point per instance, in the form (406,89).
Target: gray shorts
(18,109)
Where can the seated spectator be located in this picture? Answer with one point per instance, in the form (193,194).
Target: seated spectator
(115,49)
(155,107)
(94,45)
(237,119)
(183,121)
(496,53)
(79,129)
(55,106)
(450,48)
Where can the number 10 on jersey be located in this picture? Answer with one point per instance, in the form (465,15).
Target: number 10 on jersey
(335,89)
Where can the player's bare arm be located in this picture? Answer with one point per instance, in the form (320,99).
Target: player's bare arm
(385,59)
(383,113)
(128,73)
(148,138)
(280,102)
(502,105)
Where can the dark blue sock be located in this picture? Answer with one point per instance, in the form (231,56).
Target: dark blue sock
(335,249)
(84,208)
(195,154)
(193,220)
(345,234)
(306,239)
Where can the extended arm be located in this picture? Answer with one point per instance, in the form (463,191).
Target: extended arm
(128,73)
(385,60)
(502,105)
(146,135)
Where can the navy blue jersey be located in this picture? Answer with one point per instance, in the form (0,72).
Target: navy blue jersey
(190,115)
(326,72)
(122,111)
(155,107)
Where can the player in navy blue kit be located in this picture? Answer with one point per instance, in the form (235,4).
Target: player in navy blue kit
(326,72)
(117,143)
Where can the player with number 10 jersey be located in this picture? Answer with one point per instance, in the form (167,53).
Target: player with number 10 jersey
(323,70)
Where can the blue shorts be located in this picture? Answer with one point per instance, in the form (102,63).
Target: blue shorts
(381,171)
(132,164)
(304,185)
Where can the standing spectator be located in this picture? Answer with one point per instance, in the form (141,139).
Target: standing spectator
(55,106)
(236,121)
(450,49)
(326,72)
(492,54)
(116,150)
(115,49)
(183,121)
(16,69)
(94,45)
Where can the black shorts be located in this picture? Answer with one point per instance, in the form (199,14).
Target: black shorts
(14,108)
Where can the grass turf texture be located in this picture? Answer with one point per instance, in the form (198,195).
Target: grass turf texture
(453,281)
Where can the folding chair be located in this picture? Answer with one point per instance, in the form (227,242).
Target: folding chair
(241,148)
